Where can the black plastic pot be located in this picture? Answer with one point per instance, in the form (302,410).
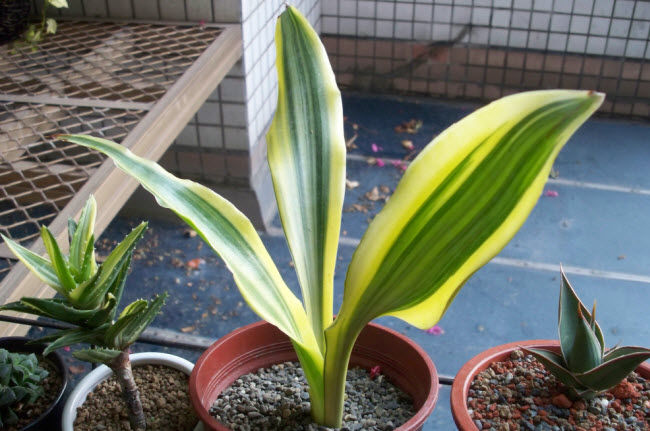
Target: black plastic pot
(50,419)
(13,19)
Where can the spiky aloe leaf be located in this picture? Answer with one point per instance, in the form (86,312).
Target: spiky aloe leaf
(555,364)
(72,226)
(82,254)
(41,267)
(105,313)
(69,337)
(117,288)
(91,294)
(570,321)
(612,372)
(57,309)
(59,261)
(98,356)
(132,321)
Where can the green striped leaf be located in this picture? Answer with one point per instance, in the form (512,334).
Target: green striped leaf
(82,252)
(226,230)
(306,153)
(41,267)
(98,356)
(554,363)
(59,261)
(90,294)
(458,204)
(132,321)
(586,351)
(55,308)
(69,337)
(612,372)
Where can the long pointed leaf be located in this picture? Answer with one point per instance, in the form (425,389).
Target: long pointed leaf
(52,308)
(82,236)
(99,356)
(59,262)
(90,295)
(612,372)
(41,267)
(70,337)
(458,205)
(132,321)
(554,363)
(569,320)
(89,264)
(117,288)
(306,152)
(624,351)
(586,352)
(226,230)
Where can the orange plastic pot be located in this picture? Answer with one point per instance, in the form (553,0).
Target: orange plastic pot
(480,362)
(262,345)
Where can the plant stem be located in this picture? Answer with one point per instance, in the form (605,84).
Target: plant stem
(340,338)
(121,366)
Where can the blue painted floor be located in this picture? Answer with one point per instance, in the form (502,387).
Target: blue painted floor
(598,227)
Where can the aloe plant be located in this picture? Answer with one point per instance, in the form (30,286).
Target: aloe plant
(583,365)
(460,201)
(21,379)
(90,297)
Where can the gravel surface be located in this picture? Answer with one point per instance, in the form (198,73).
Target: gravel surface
(519,394)
(165,401)
(27,413)
(277,398)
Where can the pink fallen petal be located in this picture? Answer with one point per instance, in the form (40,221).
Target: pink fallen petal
(551,193)
(66,348)
(375,371)
(399,165)
(375,148)
(201,23)
(380,163)
(435,330)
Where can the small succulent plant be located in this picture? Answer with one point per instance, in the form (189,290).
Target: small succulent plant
(90,296)
(21,379)
(584,365)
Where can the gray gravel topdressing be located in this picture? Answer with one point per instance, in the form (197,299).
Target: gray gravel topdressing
(277,398)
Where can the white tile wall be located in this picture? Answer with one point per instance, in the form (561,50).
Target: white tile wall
(572,25)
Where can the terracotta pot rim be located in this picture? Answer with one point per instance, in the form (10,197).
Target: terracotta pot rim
(480,362)
(412,424)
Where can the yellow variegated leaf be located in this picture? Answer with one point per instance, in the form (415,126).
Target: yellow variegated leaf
(458,205)
(306,152)
(226,230)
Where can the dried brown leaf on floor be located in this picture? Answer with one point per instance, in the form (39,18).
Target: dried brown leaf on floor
(412,126)
(357,208)
(76,369)
(384,189)
(188,329)
(408,144)
(349,144)
(371,161)
(374,195)
(189,233)
(351,184)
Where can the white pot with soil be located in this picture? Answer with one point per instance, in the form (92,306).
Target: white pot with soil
(154,401)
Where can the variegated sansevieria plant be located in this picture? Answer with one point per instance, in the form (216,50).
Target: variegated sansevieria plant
(460,201)
(583,365)
(90,296)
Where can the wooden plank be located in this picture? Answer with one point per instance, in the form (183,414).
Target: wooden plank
(150,138)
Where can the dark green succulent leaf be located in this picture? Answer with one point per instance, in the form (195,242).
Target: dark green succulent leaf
(134,308)
(612,372)
(91,295)
(569,319)
(41,267)
(132,321)
(7,396)
(617,352)
(586,352)
(5,372)
(99,356)
(83,236)
(57,309)
(59,261)
(554,364)
(105,314)
(68,337)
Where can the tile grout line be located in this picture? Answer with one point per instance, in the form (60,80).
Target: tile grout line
(557,181)
(276,232)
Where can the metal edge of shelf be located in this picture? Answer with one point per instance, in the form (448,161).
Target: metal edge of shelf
(170,114)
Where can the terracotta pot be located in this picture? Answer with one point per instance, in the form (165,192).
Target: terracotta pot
(261,345)
(53,413)
(480,362)
(101,373)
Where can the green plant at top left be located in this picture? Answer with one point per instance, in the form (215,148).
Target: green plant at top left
(90,296)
